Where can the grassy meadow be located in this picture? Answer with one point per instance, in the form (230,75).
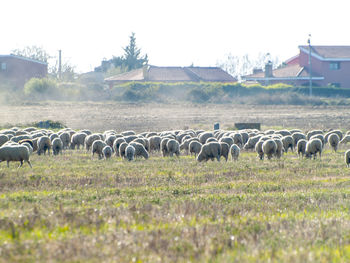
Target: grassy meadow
(72,208)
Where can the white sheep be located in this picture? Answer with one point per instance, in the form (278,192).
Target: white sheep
(44,144)
(163,147)
(312,133)
(3,138)
(140,150)
(227,139)
(347,158)
(195,147)
(154,143)
(15,153)
(65,138)
(313,147)
(107,152)
(89,140)
(224,150)
(122,148)
(97,147)
(333,140)
(173,147)
(57,146)
(77,140)
(301,147)
(203,137)
(298,136)
(116,145)
(288,143)
(251,142)
(234,150)
(346,139)
(259,150)
(209,151)
(130,153)
(269,148)
(280,148)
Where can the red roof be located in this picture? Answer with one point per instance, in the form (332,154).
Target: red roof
(329,52)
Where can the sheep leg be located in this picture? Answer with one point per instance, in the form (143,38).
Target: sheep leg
(29,164)
(8,164)
(21,161)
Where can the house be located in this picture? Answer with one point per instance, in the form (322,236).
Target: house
(330,65)
(172,74)
(17,70)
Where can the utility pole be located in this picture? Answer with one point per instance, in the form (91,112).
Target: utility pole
(59,64)
(310,75)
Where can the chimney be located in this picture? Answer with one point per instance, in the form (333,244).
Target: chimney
(268,70)
(145,69)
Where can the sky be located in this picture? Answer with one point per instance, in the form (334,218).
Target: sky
(172,33)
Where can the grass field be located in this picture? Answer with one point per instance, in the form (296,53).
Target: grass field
(71,208)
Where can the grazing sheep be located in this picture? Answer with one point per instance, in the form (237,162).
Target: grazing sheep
(65,138)
(234,150)
(130,153)
(280,148)
(78,140)
(44,144)
(107,152)
(209,151)
(313,147)
(3,138)
(283,132)
(203,137)
(195,147)
(269,148)
(251,142)
(53,136)
(173,147)
(30,129)
(301,147)
(312,133)
(245,137)
(116,145)
(122,148)
(130,138)
(89,140)
(319,136)
(30,148)
(128,133)
(333,141)
(154,143)
(97,147)
(184,146)
(110,140)
(20,132)
(259,150)
(20,138)
(347,158)
(57,146)
(15,153)
(140,150)
(87,132)
(288,143)
(144,142)
(237,139)
(337,132)
(163,147)
(224,150)
(227,139)
(298,136)
(345,140)
(295,131)
(211,139)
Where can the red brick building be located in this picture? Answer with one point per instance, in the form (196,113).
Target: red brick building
(330,65)
(17,70)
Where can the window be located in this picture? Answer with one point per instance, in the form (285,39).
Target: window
(334,65)
(3,66)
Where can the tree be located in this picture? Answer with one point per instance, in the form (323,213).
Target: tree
(67,71)
(33,52)
(131,59)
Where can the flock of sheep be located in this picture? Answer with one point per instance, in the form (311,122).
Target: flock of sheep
(18,144)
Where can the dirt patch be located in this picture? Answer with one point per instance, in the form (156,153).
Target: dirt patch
(99,116)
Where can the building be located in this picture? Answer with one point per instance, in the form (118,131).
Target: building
(172,74)
(330,65)
(17,70)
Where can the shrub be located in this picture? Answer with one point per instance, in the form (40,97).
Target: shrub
(40,88)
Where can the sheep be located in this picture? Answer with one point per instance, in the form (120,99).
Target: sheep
(251,142)
(154,143)
(144,142)
(234,150)
(130,138)
(301,147)
(30,148)
(245,137)
(139,150)
(110,140)
(151,134)
(20,138)
(312,133)
(280,148)
(224,150)
(130,152)
(345,140)
(116,145)
(319,136)
(57,146)
(97,147)
(283,132)
(184,146)
(269,148)
(227,139)
(211,139)
(65,137)
(3,138)
(203,137)
(347,158)
(15,153)
(259,150)
(107,152)
(122,148)
(337,132)
(127,133)
(163,147)
(20,132)
(209,151)
(298,136)
(77,140)
(87,132)
(237,139)
(173,147)
(53,136)
(90,139)
(313,147)
(44,144)
(195,147)
(333,141)
(288,142)
(30,129)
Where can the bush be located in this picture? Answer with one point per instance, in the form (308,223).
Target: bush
(40,88)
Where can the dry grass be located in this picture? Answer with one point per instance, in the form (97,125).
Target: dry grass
(72,209)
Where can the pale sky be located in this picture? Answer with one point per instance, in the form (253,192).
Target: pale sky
(172,33)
